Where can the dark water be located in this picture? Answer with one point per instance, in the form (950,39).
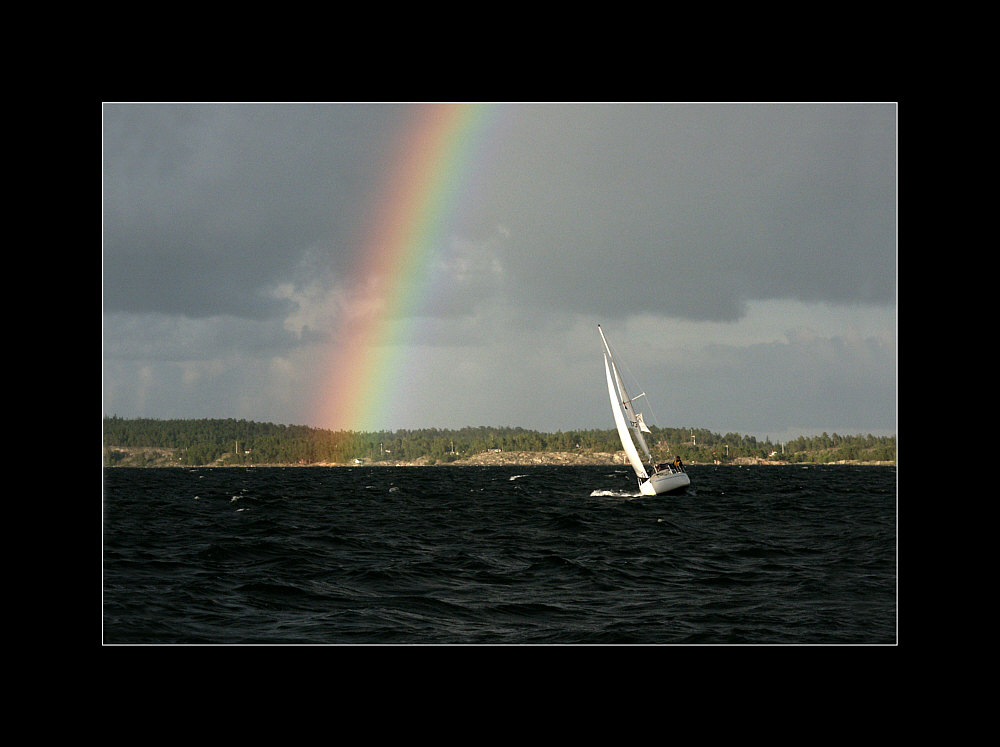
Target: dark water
(514,555)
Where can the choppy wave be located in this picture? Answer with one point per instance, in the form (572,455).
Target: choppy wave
(567,555)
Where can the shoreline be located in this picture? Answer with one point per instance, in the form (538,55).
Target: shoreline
(155,458)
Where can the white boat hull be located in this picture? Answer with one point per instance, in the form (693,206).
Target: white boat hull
(664,482)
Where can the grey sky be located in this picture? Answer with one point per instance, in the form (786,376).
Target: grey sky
(741,258)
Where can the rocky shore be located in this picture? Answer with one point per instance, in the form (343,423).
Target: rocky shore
(163,457)
(554,458)
(565,458)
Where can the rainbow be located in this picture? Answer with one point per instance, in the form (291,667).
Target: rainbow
(408,223)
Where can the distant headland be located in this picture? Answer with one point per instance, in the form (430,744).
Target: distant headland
(149,442)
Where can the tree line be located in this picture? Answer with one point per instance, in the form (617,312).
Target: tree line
(231,441)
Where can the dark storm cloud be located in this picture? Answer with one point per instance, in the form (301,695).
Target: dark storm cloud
(694,209)
(207,206)
(691,210)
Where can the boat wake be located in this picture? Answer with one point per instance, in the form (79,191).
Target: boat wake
(614,494)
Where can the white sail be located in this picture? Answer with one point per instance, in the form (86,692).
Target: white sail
(642,424)
(634,419)
(623,434)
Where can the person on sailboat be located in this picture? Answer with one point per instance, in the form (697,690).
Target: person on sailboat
(678,464)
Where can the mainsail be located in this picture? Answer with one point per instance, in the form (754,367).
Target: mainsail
(623,434)
(635,420)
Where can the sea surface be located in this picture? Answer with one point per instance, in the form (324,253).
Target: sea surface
(786,555)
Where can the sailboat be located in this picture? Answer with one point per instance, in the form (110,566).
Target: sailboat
(659,479)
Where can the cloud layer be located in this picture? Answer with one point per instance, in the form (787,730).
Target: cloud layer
(231,235)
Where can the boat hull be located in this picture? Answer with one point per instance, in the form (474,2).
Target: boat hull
(664,482)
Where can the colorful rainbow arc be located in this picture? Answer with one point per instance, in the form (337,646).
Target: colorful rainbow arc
(410,221)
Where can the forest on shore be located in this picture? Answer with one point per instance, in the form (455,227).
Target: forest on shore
(197,442)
